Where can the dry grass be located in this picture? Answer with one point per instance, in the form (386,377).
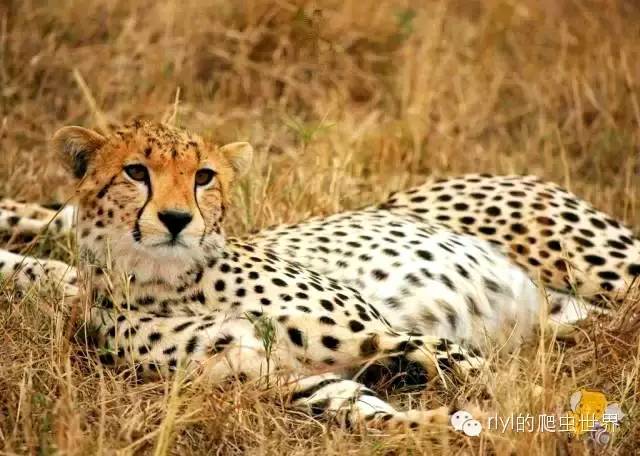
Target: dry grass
(344,101)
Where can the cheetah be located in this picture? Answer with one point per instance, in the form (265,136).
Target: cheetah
(325,307)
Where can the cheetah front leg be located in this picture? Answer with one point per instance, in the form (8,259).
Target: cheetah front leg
(408,360)
(352,404)
(31,218)
(26,272)
(220,348)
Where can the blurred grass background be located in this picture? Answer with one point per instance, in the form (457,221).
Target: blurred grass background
(344,102)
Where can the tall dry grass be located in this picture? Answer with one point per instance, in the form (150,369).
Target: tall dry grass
(344,101)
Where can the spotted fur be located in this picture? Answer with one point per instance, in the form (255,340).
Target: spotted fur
(551,233)
(396,293)
(31,219)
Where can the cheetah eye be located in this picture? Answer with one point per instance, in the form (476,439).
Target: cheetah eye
(137,172)
(204,176)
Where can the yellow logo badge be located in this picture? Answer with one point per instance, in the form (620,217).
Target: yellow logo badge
(591,413)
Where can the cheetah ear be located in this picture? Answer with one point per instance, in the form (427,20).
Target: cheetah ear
(76,146)
(239,155)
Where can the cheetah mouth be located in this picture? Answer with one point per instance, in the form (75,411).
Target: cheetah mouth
(172,243)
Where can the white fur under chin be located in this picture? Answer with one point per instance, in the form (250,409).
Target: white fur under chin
(151,264)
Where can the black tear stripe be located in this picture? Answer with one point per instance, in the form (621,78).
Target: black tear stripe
(204,228)
(103,191)
(137,235)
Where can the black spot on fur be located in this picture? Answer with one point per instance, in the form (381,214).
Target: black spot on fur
(570,216)
(617,245)
(379,274)
(106,358)
(425,255)
(328,305)
(595,260)
(330,342)
(554,245)
(608,275)
(296,336)
(369,346)
(192,344)
(356,326)
(222,343)
(327,321)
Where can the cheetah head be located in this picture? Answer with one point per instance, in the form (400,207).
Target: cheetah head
(150,197)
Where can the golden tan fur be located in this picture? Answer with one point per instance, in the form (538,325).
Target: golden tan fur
(117,207)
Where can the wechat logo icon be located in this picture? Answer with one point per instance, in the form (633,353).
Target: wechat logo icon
(463,421)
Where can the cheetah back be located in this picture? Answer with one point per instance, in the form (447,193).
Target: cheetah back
(557,237)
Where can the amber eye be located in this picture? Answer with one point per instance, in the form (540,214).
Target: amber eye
(137,172)
(204,176)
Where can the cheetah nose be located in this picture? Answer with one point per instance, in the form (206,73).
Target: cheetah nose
(175,221)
